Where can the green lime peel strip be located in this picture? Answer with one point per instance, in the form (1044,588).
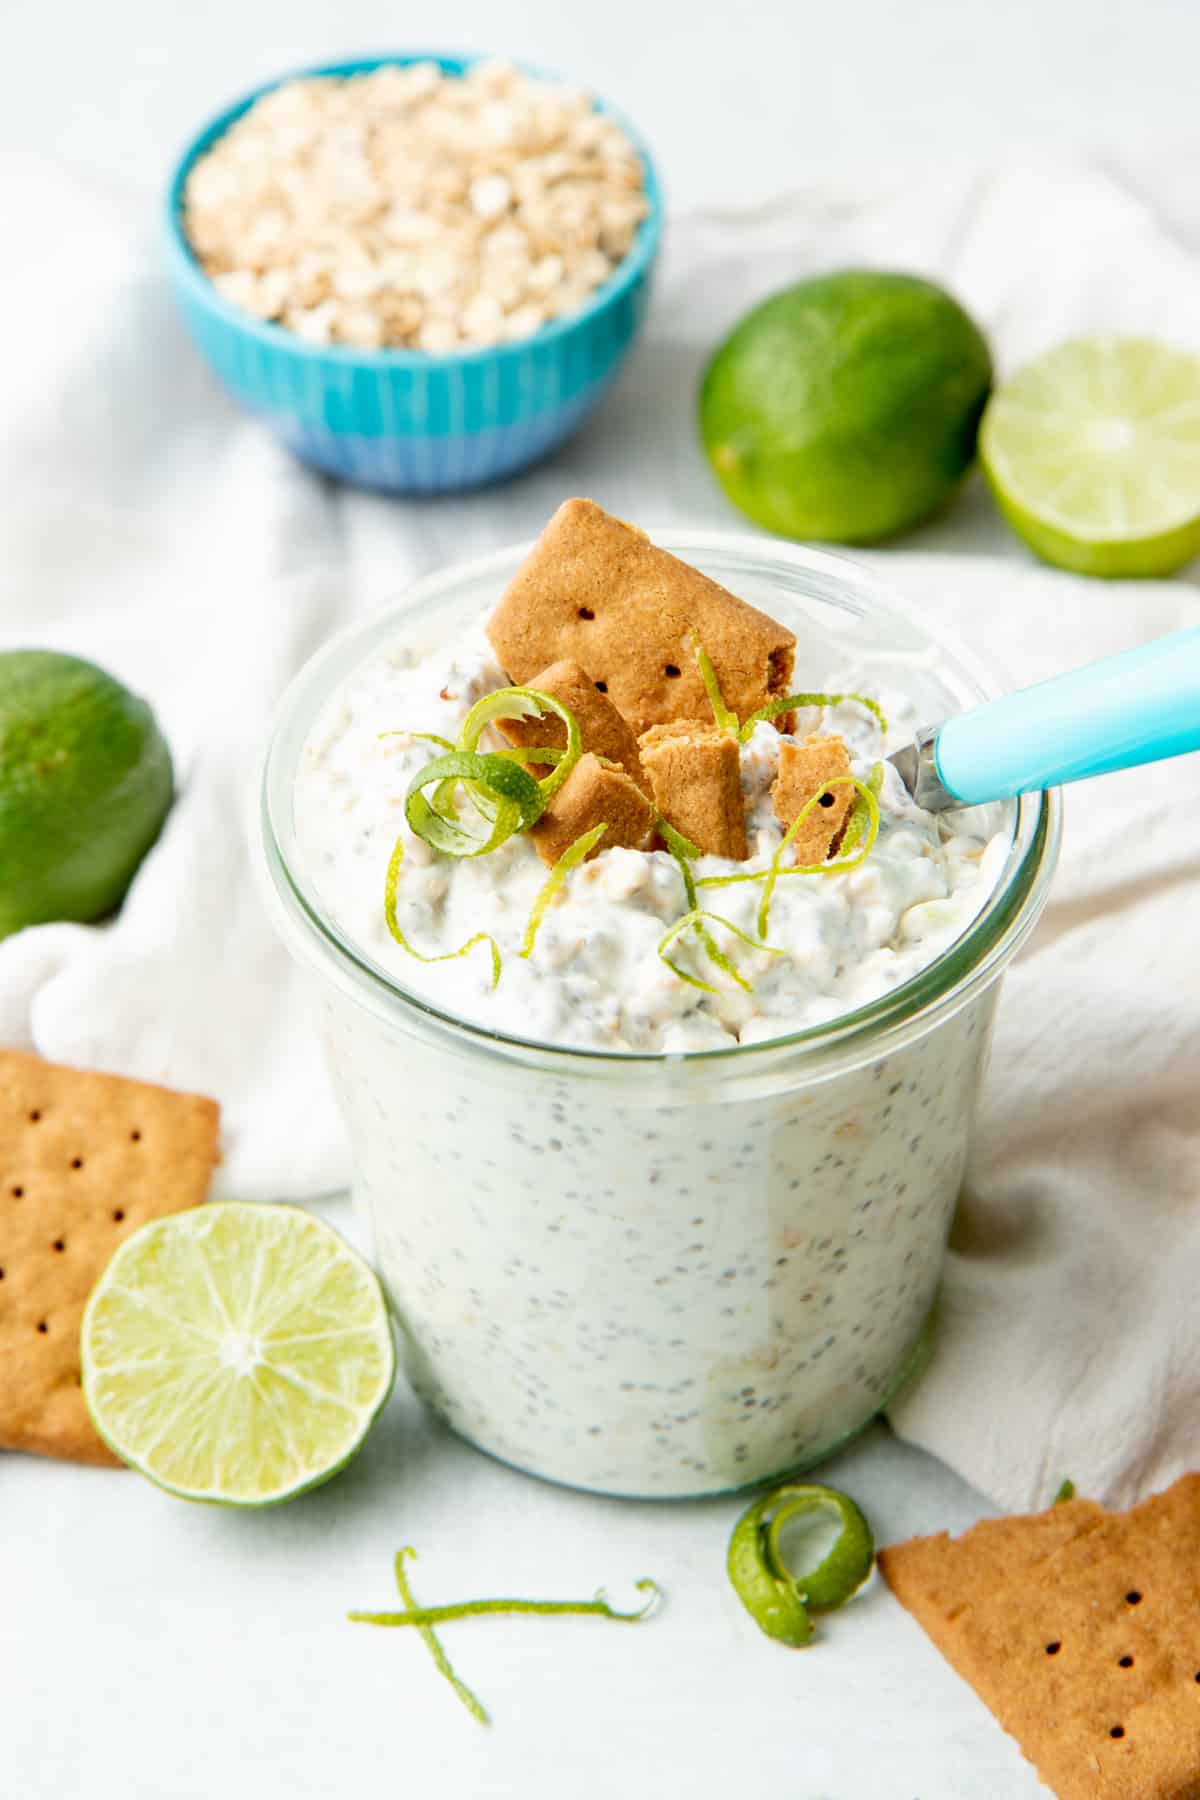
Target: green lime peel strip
(433,1644)
(862,828)
(794,703)
(779,1599)
(841,864)
(525,703)
(726,720)
(393,924)
(684,852)
(424,1618)
(571,857)
(1065,1492)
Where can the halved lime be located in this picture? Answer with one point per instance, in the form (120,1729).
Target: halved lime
(1093,452)
(236,1352)
(85,784)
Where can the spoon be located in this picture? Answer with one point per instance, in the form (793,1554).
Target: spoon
(1134,708)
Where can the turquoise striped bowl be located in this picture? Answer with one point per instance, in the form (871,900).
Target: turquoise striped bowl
(404,420)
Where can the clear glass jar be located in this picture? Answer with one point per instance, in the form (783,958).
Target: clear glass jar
(662,1275)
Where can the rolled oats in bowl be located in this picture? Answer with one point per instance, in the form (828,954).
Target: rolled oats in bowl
(409,208)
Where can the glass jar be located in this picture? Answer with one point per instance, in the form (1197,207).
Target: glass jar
(649,1274)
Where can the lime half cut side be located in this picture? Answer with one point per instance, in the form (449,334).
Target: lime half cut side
(236,1352)
(1093,452)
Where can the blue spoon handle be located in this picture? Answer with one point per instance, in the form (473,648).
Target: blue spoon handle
(1134,708)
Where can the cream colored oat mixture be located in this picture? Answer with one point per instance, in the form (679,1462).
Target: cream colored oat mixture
(876,909)
(407,208)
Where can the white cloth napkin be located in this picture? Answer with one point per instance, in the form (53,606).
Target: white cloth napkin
(147,524)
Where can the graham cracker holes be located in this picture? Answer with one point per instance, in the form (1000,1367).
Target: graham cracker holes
(585,612)
(43,1327)
(17,1192)
(1118,1731)
(118,1215)
(671,671)
(60,1244)
(1126,1662)
(602,687)
(77,1162)
(825,800)
(1053,1649)
(1133,1598)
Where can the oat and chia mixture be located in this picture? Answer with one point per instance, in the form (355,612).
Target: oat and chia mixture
(644,1281)
(407,208)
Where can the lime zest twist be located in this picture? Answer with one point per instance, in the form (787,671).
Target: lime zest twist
(697,919)
(571,857)
(424,1618)
(726,720)
(778,1598)
(859,836)
(794,702)
(393,924)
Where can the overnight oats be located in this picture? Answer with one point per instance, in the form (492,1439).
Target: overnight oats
(655,1006)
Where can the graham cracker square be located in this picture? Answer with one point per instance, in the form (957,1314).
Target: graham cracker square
(596,590)
(85,1159)
(1080,1629)
(594,793)
(695,776)
(803,771)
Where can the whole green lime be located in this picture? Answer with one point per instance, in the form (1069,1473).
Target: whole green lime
(85,784)
(846,407)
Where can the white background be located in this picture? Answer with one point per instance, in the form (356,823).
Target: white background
(157,1652)
(744,98)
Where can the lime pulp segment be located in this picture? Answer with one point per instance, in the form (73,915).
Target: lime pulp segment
(236,1352)
(1093,452)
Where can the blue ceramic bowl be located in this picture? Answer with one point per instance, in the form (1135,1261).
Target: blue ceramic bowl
(405,420)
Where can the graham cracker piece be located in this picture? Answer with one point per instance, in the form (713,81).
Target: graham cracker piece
(594,793)
(598,591)
(601,726)
(803,771)
(696,778)
(84,1160)
(1080,1629)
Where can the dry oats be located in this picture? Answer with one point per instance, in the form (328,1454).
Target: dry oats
(407,208)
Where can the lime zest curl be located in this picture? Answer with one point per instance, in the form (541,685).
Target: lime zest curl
(840,865)
(696,920)
(515,801)
(794,702)
(778,1598)
(725,718)
(525,703)
(571,857)
(684,852)
(393,924)
(424,1618)
(433,1644)
(600,1606)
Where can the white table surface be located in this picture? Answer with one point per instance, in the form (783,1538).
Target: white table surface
(215,1661)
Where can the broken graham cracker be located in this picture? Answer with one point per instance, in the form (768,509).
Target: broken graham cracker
(695,776)
(599,592)
(601,727)
(1080,1629)
(594,793)
(84,1160)
(803,771)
